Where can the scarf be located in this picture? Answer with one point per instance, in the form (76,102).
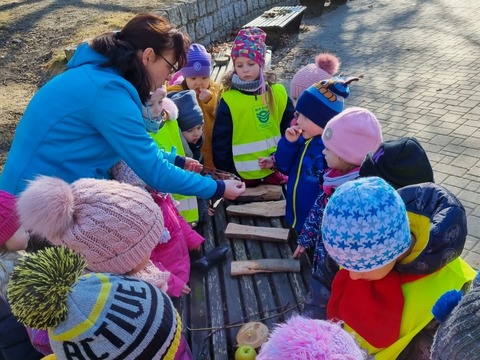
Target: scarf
(248,86)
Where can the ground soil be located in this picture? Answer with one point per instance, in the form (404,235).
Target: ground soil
(34,34)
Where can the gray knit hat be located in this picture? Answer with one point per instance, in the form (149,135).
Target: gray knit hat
(458,337)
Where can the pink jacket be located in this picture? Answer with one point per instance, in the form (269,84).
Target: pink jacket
(172,252)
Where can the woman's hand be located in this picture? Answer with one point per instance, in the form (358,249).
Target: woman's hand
(233,189)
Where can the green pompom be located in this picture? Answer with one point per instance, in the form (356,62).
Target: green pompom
(40,284)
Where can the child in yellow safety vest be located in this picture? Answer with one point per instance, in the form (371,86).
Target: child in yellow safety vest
(398,253)
(253,113)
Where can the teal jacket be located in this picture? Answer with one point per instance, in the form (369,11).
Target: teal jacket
(84,121)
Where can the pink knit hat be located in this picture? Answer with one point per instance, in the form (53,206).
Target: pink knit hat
(9,222)
(352,134)
(325,67)
(115,226)
(301,338)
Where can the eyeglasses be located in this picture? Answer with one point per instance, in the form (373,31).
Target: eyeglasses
(173,68)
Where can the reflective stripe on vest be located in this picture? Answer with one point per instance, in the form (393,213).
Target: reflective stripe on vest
(256,129)
(188,207)
(256,146)
(166,138)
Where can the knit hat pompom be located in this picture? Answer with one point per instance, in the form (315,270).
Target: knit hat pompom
(365,225)
(352,134)
(325,67)
(40,284)
(46,206)
(458,336)
(328,62)
(114,225)
(170,109)
(301,338)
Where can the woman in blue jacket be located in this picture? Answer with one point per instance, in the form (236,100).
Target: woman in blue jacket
(86,119)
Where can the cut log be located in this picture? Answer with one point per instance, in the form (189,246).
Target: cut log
(257,233)
(266,209)
(249,267)
(261,193)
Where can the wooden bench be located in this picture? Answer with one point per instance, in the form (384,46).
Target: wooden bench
(277,21)
(220,303)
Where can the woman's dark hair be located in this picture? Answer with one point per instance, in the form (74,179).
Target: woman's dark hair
(141,32)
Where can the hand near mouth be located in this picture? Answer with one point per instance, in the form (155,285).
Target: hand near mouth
(293,133)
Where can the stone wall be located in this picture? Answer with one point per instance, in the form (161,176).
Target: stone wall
(208,20)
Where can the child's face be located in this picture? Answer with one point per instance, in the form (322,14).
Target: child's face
(197,83)
(334,161)
(374,274)
(18,241)
(194,134)
(154,104)
(309,128)
(247,69)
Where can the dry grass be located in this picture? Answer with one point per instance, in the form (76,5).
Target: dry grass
(106,22)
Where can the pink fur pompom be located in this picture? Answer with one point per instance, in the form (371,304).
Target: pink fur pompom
(301,338)
(328,62)
(169,106)
(46,207)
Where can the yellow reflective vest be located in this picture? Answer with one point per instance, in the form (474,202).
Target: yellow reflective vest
(256,129)
(168,138)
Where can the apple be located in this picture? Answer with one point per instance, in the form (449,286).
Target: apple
(245,352)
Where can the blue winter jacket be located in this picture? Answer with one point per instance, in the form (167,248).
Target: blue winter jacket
(84,121)
(304,163)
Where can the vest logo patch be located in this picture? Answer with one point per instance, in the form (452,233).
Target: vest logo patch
(263,118)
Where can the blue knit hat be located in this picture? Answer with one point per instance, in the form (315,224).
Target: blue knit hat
(323,100)
(199,62)
(365,225)
(189,112)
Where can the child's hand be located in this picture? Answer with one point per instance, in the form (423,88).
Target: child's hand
(193,165)
(186,290)
(265,163)
(204,95)
(293,133)
(298,251)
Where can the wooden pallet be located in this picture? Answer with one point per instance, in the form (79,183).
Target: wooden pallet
(220,303)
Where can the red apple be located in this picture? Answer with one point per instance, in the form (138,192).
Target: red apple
(245,352)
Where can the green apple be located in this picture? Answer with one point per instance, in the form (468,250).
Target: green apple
(245,352)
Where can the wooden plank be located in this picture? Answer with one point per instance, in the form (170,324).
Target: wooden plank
(261,193)
(248,267)
(265,209)
(257,233)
